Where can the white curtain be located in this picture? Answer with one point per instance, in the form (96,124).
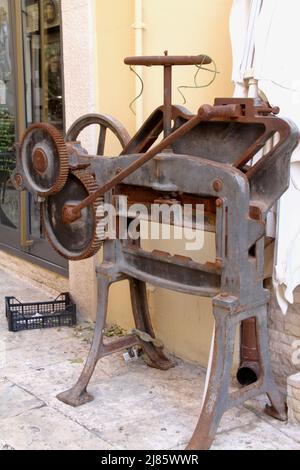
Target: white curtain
(265,36)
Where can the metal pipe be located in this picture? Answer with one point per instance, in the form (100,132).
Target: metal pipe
(138,27)
(167,100)
(249,370)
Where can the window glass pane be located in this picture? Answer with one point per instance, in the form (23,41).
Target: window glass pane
(43,75)
(9,198)
(42,57)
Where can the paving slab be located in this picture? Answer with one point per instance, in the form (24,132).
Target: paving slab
(40,354)
(134,407)
(15,400)
(46,429)
(289,429)
(47,382)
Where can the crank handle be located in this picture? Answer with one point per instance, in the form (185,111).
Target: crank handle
(227,111)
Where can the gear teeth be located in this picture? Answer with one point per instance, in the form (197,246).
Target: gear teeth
(98,205)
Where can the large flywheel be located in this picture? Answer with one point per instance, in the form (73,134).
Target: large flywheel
(80,239)
(105,123)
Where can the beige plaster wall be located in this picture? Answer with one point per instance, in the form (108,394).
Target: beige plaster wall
(192,27)
(114,40)
(80,98)
(183,322)
(97,35)
(79,58)
(52,282)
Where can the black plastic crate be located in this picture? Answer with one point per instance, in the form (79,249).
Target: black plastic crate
(38,315)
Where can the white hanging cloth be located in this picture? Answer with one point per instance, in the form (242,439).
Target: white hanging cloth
(265,35)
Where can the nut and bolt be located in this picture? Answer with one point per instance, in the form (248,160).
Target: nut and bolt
(224,295)
(217,185)
(18,180)
(40,161)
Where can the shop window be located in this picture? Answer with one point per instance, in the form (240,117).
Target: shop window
(42,59)
(9,201)
(43,76)
(31,90)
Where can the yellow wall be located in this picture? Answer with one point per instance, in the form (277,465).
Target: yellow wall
(189,27)
(114,42)
(183,322)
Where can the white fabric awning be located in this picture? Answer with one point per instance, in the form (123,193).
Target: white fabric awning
(265,36)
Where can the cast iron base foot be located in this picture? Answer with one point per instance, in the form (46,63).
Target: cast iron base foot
(72,398)
(271,411)
(161,364)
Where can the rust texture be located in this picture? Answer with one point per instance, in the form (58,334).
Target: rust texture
(40,161)
(202,159)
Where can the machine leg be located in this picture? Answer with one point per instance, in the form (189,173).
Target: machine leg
(278,408)
(78,394)
(156,357)
(215,401)
(217,397)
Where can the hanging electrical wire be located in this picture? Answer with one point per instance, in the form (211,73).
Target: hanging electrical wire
(196,84)
(141,92)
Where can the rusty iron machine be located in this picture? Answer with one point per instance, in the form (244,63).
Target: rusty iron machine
(204,158)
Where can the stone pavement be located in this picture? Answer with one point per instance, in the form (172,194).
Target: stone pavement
(135,407)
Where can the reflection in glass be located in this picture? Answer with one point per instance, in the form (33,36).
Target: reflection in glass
(9,198)
(42,54)
(43,76)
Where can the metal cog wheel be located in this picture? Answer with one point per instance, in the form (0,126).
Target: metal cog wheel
(83,238)
(44,159)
